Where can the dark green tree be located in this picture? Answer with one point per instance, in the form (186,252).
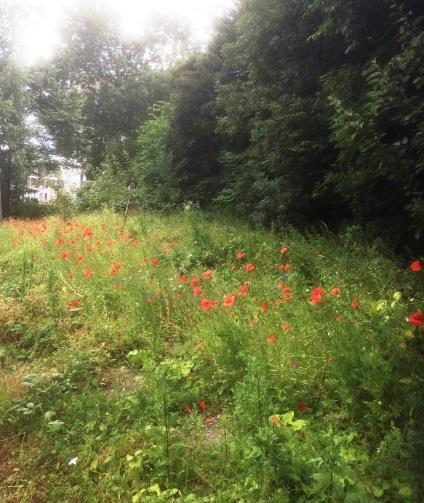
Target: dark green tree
(15,147)
(96,92)
(273,108)
(179,147)
(376,120)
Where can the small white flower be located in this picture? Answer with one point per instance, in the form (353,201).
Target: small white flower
(73,461)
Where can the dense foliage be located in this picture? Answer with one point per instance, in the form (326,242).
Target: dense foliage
(190,359)
(304,111)
(298,112)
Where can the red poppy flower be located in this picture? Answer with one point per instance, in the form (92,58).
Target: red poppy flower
(202,406)
(302,407)
(88,273)
(284,250)
(275,420)
(74,303)
(188,410)
(208,274)
(286,327)
(284,267)
(154,262)
(183,278)
(416,266)
(87,233)
(207,304)
(64,254)
(195,281)
(355,304)
(209,421)
(416,319)
(249,267)
(287,293)
(240,255)
(335,291)
(116,267)
(244,288)
(229,300)
(197,291)
(272,340)
(80,257)
(317,296)
(264,307)
(166,250)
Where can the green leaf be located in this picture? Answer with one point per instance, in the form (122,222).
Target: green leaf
(377,491)
(155,488)
(405,491)
(287,418)
(56,425)
(299,424)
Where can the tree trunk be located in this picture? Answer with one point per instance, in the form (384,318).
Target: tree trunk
(5,192)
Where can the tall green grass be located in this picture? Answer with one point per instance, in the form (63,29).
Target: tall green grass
(118,383)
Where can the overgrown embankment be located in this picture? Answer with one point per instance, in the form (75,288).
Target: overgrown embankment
(186,359)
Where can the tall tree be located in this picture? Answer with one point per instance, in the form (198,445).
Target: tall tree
(97,91)
(376,96)
(190,169)
(14,133)
(271,112)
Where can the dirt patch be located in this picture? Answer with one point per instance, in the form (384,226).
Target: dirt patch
(11,313)
(212,434)
(9,470)
(14,484)
(116,380)
(11,383)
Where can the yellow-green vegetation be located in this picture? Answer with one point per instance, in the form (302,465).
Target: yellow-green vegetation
(185,358)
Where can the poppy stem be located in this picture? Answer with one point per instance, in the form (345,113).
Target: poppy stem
(258,390)
(165,417)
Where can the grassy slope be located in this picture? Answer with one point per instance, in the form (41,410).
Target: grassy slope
(107,356)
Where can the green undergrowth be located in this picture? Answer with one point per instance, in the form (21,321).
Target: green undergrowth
(191,359)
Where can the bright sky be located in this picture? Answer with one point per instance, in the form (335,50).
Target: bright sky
(40,22)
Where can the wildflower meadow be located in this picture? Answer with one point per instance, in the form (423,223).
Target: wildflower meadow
(190,358)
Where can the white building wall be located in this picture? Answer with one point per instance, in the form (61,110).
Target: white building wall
(73,179)
(42,189)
